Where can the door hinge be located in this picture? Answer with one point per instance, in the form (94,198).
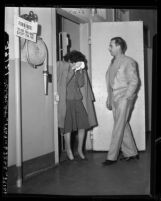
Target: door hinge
(56,98)
(89,40)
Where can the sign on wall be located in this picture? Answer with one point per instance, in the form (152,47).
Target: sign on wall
(25,29)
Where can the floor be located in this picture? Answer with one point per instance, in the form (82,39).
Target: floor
(91,178)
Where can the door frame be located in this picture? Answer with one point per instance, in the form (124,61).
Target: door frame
(81,22)
(55,102)
(69,16)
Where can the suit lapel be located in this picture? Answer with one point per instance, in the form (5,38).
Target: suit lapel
(114,67)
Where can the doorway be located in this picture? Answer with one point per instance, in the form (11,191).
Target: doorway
(72,30)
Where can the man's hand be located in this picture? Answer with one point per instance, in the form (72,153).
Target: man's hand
(108,104)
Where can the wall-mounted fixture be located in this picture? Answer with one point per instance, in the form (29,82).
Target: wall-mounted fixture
(64,44)
(36,52)
(30,17)
(36,56)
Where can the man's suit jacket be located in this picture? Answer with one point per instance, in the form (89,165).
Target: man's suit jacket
(122,79)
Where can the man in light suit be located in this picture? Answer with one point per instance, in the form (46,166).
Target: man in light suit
(122,82)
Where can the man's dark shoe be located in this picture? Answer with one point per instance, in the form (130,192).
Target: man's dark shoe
(130,158)
(108,162)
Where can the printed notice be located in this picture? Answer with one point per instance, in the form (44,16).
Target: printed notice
(25,29)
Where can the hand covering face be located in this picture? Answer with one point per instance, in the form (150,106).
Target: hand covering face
(78,66)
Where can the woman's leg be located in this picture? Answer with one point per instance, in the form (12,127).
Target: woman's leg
(81,133)
(67,137)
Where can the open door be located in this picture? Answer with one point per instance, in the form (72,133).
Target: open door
(55,93)
(101,33)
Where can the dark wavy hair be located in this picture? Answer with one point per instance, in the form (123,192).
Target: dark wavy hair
(75,56)
(120,41)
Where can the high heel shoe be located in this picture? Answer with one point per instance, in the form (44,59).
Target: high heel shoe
(70,159)
(81,158)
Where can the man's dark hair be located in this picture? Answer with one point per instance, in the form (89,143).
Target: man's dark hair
(75,56)
(120,41)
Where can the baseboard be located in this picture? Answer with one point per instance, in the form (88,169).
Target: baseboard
(31,167)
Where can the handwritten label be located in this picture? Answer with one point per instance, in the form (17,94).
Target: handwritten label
(25,29)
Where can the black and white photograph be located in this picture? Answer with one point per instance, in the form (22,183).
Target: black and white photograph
(79,108)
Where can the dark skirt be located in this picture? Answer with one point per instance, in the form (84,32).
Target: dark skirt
(76,116)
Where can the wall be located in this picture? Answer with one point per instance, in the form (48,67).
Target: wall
(37,109)
(73,30)
(149,18)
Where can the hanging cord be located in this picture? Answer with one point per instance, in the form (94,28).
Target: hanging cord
(27,54)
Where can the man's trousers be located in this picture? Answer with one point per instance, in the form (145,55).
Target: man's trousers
(122,137)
